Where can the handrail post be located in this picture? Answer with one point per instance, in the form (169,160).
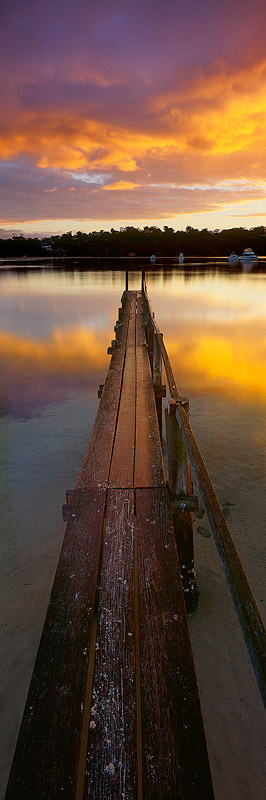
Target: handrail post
(150,339)
(145,305)
(159,389)
(180,485)
(126,286)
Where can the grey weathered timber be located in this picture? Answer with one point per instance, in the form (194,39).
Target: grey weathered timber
(111,766)
(175,761)
(45,763)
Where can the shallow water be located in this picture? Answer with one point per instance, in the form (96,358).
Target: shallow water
(55,328)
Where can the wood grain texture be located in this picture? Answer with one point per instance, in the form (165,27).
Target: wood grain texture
(140,327)
(123,457)
(122,465)
(46,759)
(175,760)
(96,464)
(111,761)
(131,333)
(179,482)
(148,457)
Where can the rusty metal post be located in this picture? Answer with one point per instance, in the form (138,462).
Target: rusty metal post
(180,488)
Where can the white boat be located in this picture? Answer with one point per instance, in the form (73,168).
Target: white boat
(248,255)
(233,258)
(152,259)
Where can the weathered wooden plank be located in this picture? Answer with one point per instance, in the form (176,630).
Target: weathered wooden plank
(122,465)
(111,768)
(148,458)
(175,760)
(96,463)
(46,759)
(140,328)
(131,333)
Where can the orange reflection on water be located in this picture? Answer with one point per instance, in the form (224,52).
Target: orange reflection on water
(76,349)
(224,361)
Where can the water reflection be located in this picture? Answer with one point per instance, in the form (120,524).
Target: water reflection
(56,326)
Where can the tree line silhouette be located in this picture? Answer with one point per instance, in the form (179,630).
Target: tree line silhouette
(139,242)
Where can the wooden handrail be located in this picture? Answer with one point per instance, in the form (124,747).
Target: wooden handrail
(244,602)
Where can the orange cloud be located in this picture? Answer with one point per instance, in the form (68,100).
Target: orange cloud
(225,113)
(180,149)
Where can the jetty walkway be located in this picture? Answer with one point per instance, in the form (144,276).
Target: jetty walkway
(113,710)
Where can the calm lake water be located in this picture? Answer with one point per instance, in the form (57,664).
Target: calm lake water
(55,328)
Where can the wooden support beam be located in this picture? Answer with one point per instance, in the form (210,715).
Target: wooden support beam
(110,349)
(160,391)
(184,503)
(66,508)
(180,484)
(157,379)
(69,495)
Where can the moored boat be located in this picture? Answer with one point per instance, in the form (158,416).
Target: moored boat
(233,258)
(248,255)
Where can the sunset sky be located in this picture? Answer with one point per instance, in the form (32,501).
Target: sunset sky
(120,113)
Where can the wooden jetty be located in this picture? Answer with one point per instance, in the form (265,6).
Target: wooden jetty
(113,709)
